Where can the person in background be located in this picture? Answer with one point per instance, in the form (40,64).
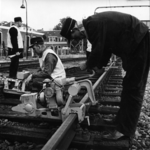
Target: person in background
(15,46)
(50,64)
(4,50)
(127,37)
(88,50)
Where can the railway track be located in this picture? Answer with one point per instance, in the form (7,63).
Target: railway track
(107,90)
(52,134)
(34,63)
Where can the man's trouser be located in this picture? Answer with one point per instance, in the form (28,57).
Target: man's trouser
(35,85)
(134,84)
(14,67)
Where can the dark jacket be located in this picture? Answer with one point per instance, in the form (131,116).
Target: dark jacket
(14,34)
(113,32)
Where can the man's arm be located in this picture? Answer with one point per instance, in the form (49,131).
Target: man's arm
(97,32)
(13,34)
(50,64)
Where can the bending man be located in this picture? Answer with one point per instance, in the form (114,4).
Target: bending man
(128,38)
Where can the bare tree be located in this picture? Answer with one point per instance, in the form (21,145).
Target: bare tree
(59,25)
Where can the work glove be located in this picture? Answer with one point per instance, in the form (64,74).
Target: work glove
(99,71)
(39,70)
(83,66)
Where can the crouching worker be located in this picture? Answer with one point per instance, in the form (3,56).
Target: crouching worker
(50,64)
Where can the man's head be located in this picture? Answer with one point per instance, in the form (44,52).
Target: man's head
(69,31)
(18,21)
(37,43)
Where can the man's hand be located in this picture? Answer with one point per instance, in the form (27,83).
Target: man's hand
(18,53)
(99,71)
(39,70)
(83,66)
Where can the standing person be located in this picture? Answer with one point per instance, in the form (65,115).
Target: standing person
(128,38)
(15,46)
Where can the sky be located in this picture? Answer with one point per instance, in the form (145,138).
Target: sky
(47,13)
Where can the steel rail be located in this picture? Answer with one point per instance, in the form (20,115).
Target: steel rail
(85,98)
(30,63)
(65,133)
(36,61)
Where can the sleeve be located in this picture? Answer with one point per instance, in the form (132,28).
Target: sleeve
(96,32)
(13,34)
(50,64)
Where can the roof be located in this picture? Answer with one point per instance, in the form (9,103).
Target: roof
(9,24)
(52,33)
(24,31)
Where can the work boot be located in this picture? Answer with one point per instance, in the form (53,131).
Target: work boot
(115,135)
